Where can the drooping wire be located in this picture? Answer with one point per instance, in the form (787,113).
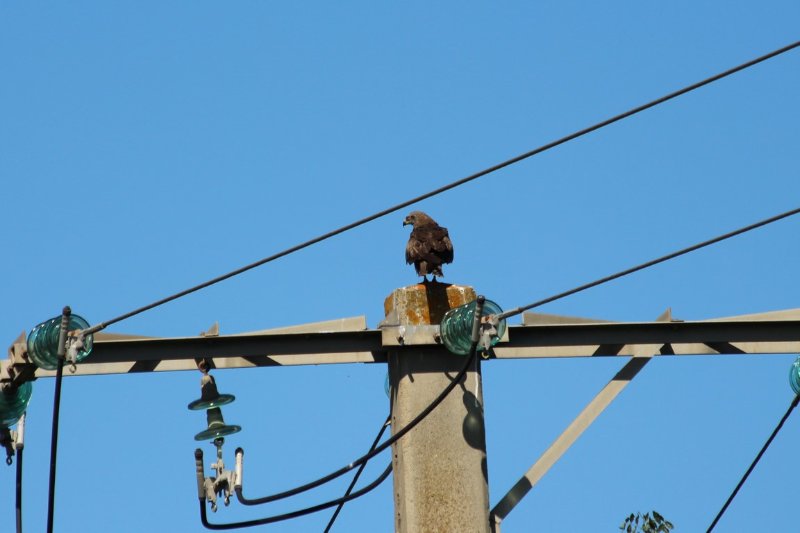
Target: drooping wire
(62,339)
(449,186)
(19,446)
(653,262)
(450,386)
(293,514)
(754,463)
(19,491)
(51,494)
(355,477)
(396,436)
(364,458)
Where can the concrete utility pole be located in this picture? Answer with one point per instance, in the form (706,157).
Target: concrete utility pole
(440,471)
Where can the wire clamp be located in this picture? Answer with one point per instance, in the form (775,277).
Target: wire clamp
(488,334)
(221,485)
(75,344)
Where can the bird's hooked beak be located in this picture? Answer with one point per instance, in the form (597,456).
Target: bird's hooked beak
(406,222)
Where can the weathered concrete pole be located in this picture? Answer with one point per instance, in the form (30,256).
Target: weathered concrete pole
(440,473)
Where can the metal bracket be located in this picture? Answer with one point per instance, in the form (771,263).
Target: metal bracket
(75,343)
(19,368)
(222,484)
(488,331)
(410,335)
(13,441)
(7,442)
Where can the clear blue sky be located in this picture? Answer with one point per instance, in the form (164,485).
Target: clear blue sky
(149,146)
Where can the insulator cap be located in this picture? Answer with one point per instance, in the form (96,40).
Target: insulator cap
(456,326)
(43,341)
(13,403)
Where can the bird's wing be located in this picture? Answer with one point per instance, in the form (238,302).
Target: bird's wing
(441,244)
(421,243)
(447,251)
(416,248)
(430,243)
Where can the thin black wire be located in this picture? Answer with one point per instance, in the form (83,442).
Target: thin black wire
(51,495)
(642,266)
(364,458)
(293,514)
(358,474)
(19,491)
(754,463)
(452,185)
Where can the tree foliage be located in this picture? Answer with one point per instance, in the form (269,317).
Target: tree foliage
(651,522)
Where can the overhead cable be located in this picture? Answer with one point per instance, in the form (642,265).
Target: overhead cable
(364,458)
(398,434)
(293,514)
(355,477)
(457,183)
(61,350)
(377,449)
(754,463)
(19,445)
(673,255)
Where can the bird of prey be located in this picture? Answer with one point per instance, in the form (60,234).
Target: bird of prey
(429,245)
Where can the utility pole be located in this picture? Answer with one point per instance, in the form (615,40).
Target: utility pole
(440,470)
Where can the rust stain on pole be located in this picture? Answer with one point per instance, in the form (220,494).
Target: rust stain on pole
(426,303)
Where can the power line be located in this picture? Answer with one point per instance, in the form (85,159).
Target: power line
(293,514)
(449,186)
(355,477)
(754,463)
(378,449)
(653,262)
(60,351)
(51,493)
(375,450)
(18,495)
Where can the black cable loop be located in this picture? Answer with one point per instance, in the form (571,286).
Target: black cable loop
(378,449)
(19,491)
(449,186)
(357,475)
(293,514)
(394,438)
(51,493)
(60,353)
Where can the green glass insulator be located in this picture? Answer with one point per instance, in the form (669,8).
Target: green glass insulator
(794,376)
(221,399)
(13,404)
(216,426)
(209,395)
(43,341)
(456,326)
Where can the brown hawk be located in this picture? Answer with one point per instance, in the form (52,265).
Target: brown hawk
(429,245)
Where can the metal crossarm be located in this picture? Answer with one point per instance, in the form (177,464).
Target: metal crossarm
(348,341)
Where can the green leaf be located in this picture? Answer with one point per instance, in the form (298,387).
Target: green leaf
(658,516)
